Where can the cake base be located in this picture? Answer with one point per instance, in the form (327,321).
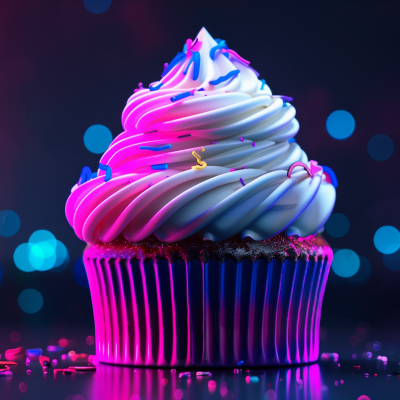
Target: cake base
(214,304)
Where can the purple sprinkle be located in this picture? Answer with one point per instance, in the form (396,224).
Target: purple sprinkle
(284,98)
(244,167)
(242,181)
(184,136)
(242,139)
(232,169)
(254,144)
(214,142)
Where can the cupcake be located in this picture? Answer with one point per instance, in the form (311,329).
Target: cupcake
(202,222)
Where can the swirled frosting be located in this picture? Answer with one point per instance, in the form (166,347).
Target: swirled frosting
(211,112)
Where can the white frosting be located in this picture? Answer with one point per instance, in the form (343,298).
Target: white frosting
(251,128)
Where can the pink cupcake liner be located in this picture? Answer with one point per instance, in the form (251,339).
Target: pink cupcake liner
(170,314)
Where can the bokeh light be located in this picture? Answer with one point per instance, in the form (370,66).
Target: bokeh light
(340,124)
(97,6)
(9,223)
(363,274)
(90,340)
(345,263)
(392,261)
(23,387)
(380,147)
(337,225)
(80,273)
(62,257)
(387,239)
(42,253)
(97,138)
(15,337)
(21,258)
(30,301)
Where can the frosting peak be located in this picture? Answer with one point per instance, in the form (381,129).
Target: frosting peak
(205,150)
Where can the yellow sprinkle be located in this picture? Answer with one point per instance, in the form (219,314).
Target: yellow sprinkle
(196,155)
(202,165)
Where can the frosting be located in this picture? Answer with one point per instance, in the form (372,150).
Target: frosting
(206,150)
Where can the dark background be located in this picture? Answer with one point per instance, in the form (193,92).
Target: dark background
(63,69)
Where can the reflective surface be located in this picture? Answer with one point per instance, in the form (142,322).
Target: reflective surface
(326,380)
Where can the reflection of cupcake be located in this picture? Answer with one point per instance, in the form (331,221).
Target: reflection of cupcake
(201,222)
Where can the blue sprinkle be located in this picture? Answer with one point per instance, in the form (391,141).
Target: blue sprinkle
(181,96)
(262,84)
(224,78)
(85,175)
(196,60)
(153,88)
(201,90)
(106,168)
(242,182)
(94,175)
(159,166)
(331,174)
(221,45)
(177,59)
(33,352)
(292,140)
(240,362)
(154,148)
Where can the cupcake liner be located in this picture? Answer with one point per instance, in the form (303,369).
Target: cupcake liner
(162,313)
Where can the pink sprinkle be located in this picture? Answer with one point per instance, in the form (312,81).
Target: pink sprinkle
(232,169)
(236,55)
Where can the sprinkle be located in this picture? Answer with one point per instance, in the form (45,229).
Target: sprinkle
(284,98)
(236,55)
(202,164)
(242,182)
(159,166)
(79,368)
(179,137)
(33,353)
(221,45)
(140,87)
(153,88)
(232,169)
(241,139)
(299,164)
(85,175)
(177,59)
(240,362)
(106,168)
(155,148)
(254,144)
(165,67)
(292,140)
(331,175)
(262,84)
(201,373)
(196,60)
(150,184)
(203,149)
(215,142)
(225,78)
(201,90)
(181,96)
